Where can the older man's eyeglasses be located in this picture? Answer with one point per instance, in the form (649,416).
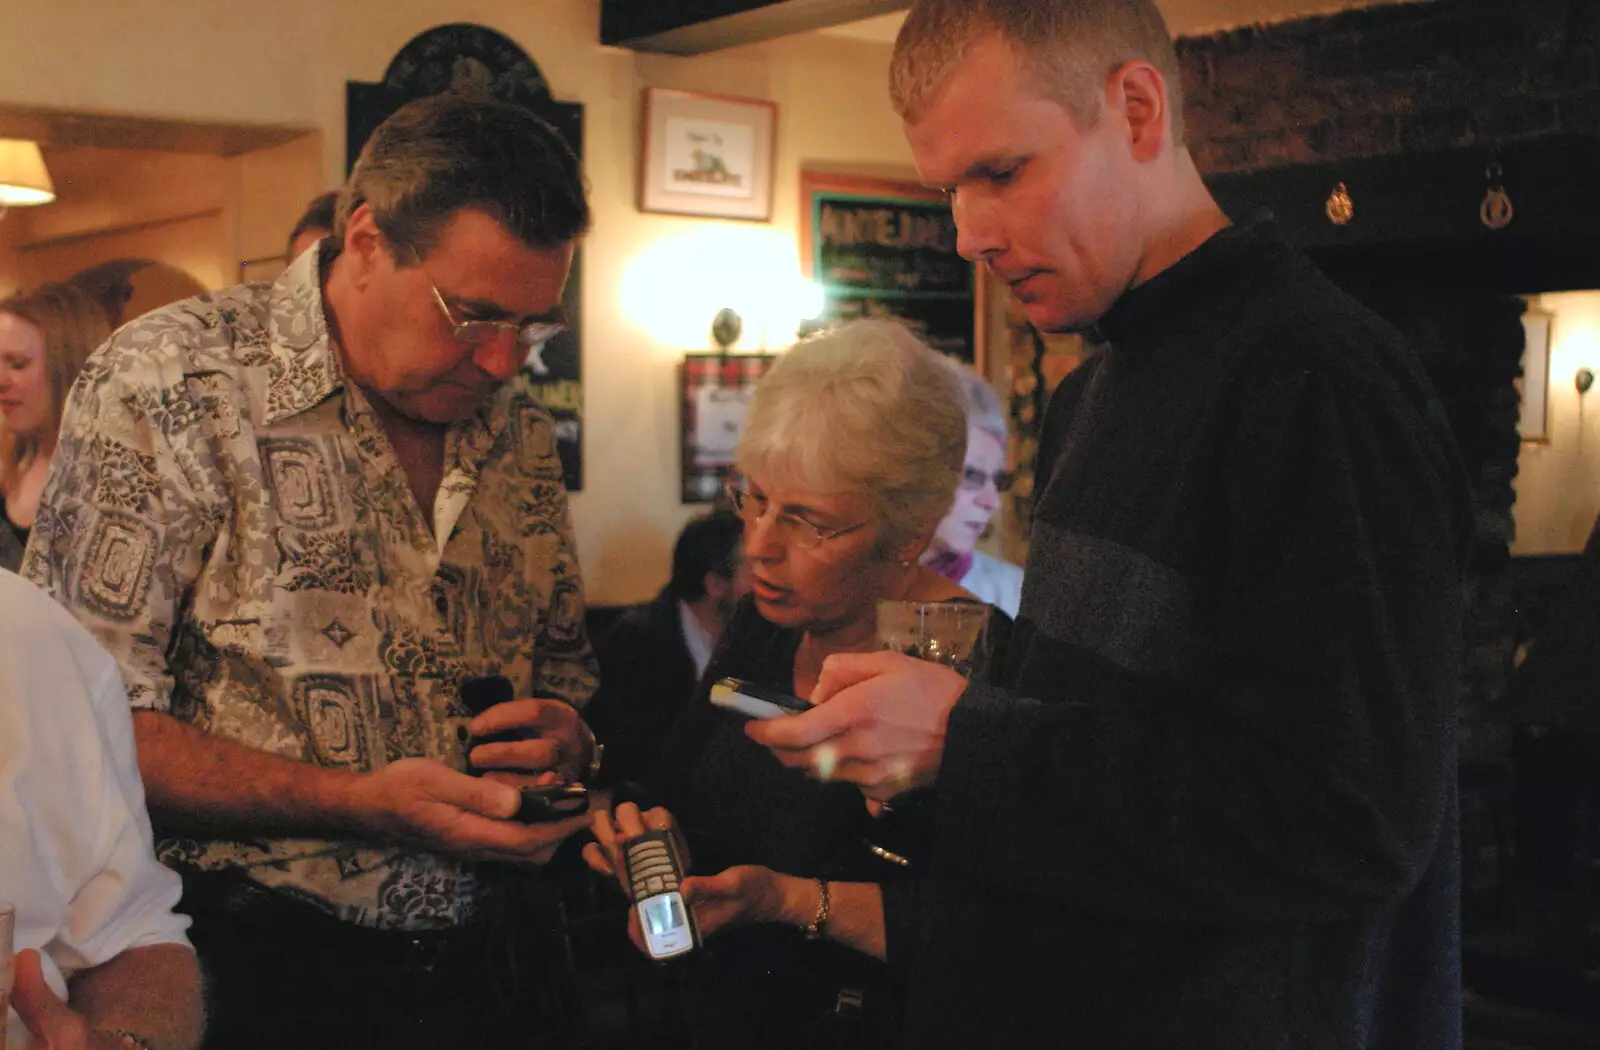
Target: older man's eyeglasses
(973,480)
(790,529)
(530,334)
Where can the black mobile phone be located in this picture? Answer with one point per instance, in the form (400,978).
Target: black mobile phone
(477,695)
(757,701)
(541,805)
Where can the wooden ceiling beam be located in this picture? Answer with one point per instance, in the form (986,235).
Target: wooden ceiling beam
(692,27)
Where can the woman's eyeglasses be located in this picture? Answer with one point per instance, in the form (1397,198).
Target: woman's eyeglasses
(790,529)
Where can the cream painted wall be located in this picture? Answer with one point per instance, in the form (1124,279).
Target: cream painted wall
(119,203)
(286,63)
(190,244)
(269,193)
(10,262)
(1558,483)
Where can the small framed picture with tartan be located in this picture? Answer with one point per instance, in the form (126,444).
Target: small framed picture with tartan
(717,389)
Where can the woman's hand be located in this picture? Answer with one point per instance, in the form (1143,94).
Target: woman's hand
(749,893)
(743,894)
(612,830)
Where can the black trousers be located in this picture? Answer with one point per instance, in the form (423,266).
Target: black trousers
(280,973)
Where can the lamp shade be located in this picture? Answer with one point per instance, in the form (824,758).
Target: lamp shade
(24,180)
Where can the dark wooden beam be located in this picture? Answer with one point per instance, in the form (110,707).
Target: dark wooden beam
(692,27)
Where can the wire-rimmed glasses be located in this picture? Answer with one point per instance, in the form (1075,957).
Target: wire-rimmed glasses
(476,333)
(790,529)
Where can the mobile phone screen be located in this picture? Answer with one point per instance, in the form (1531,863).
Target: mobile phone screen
(666,925)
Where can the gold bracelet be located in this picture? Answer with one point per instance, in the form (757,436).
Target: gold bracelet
(814,931)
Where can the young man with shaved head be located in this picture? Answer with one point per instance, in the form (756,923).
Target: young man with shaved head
(1214,806)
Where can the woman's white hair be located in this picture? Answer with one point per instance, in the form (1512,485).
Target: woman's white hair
(983,403)
(863,408)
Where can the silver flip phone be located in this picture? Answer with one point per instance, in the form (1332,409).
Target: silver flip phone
(654,878)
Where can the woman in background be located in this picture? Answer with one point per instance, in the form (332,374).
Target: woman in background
(953,552)
(45,337)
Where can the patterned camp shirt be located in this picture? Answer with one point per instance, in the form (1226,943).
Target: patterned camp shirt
(227,517)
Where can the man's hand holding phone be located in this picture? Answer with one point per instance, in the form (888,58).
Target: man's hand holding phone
(428,806)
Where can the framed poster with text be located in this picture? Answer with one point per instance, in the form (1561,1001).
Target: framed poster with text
(885,248)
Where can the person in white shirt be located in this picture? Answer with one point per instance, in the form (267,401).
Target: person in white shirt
(102,960)
(954,551)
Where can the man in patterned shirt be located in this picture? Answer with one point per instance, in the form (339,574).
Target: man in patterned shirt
(299,515)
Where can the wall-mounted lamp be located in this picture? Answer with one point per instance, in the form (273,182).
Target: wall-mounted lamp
(1583,379)
(726,328)
(675,285)
(24,180)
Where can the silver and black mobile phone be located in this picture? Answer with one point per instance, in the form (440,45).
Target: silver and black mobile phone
(654,878)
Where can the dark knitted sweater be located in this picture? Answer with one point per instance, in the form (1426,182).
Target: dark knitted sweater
(1215,804)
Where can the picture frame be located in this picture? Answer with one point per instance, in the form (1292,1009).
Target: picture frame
(887,248)
(707,155)
(1533,417)
(714,403)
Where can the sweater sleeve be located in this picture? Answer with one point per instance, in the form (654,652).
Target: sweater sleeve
(1306,778)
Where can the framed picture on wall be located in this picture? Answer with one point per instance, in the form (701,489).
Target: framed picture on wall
(886,248)
(1533,420)
(716,393)
(707,155)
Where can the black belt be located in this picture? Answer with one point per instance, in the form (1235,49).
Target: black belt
(229,897)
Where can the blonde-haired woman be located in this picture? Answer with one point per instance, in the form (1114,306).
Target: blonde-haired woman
(852,452)
(45,336)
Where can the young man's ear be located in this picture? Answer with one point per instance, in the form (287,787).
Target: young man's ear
(1138,94)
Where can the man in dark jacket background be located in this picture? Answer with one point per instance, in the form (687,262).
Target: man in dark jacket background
(652,657)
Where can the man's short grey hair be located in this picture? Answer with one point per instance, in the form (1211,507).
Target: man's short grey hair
(983,403)
(435,156)
(863,408)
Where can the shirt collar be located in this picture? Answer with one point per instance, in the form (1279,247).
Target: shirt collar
(697,638)
(1150,311)
(302,364)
